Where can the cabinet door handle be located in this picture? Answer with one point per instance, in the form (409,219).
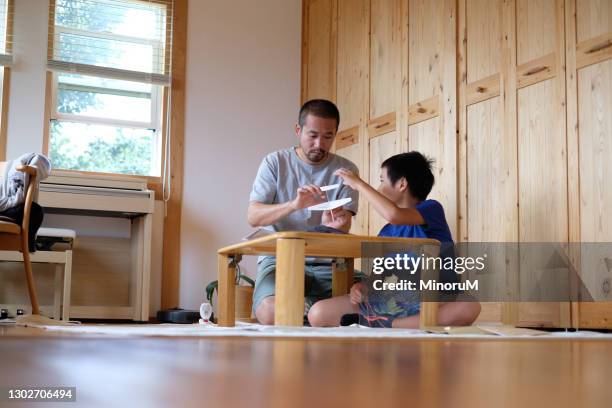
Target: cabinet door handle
(600,47)
(536,70)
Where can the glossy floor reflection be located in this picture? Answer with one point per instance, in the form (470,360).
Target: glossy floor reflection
(182,372)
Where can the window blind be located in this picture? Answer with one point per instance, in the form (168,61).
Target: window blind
(6,36)
(118,39)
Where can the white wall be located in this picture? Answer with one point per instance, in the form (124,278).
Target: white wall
(243,85)
(27,87)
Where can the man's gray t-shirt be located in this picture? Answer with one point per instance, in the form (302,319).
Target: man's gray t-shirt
(282,172)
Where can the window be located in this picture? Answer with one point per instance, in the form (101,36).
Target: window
(6,41)
(6,46)
(110,67)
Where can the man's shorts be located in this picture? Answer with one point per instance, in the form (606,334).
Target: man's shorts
(317,284)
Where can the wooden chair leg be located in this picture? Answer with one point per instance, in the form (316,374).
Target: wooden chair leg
(57,293)
(67,286)
(27,266)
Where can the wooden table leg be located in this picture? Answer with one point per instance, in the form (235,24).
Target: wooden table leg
(428,316)
(342,276)
(289,296)
(227,292)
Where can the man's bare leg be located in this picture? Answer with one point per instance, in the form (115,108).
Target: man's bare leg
(328,312)
(265,311)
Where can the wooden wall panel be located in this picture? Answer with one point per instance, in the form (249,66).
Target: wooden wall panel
(432,75)
(483,31)
(319,72)
(387,89)
(595,117)
(593,18)
(487,172)
(424,49)
(426,138)
(588,25)
(352,91)
(487,190)
(542,198)
(381,148)
(352,88)
(385,57)
(541,151)
(360,222)
(542,163)
(535,29)
(487,163)
(595,147)
(489,169)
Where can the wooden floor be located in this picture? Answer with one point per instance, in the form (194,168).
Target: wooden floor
(254,372)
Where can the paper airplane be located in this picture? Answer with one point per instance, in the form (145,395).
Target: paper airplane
(330,187)
(330,205)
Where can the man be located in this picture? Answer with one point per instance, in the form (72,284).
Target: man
(287,183)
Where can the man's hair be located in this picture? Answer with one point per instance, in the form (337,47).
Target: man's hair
(321,108)
(415,168)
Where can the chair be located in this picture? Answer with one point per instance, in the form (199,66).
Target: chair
(14,237)
(61,258)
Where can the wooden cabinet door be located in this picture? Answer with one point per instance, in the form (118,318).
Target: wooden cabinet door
(352,91)
(387,91)
(589,110)
(542,151)
(319,50)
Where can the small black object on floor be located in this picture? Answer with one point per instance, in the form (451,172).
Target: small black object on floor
(177,315)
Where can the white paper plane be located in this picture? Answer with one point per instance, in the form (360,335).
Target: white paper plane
(330,205)
(330,187)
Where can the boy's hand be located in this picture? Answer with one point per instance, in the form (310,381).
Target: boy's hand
(348,177)
(341,219)
(307,196)
(358,293)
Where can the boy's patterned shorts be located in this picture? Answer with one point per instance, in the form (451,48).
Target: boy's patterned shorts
(380,310)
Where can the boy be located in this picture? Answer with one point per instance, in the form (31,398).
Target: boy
(405,182)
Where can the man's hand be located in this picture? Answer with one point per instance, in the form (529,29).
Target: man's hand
(341,219)
(348,177)
(358,293)
(307,196)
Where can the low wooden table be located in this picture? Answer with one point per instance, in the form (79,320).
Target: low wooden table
(290,249)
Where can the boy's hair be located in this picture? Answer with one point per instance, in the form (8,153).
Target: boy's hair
(321,108)
(415,168)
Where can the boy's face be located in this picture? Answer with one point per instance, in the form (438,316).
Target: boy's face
(386,188)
